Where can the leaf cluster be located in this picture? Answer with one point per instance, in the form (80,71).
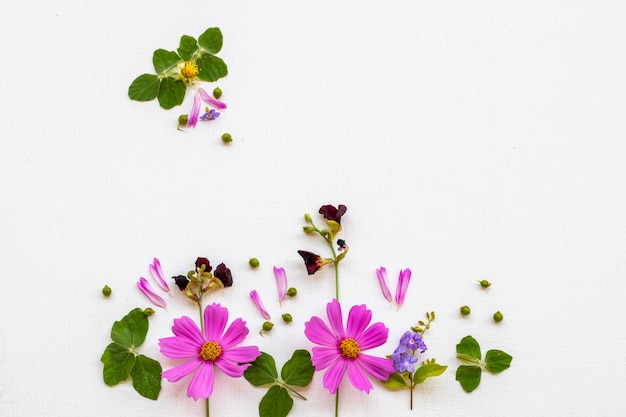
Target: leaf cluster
(121,360)
(168,85)
(408,380)
(468,350)
(297,371)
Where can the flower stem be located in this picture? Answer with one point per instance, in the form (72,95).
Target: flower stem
(411,388)
(337,403)
(294,391)
(208,410)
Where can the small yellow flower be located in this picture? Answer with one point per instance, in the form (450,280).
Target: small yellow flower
(189,70)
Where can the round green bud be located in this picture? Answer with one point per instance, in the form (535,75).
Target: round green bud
(292,292)
(148,312)
(267,326)
(465,310)
(254,263)
(484,283)
(287,318)
(227,138)
(183,119)
(497,317)
(106,291)
(217,92)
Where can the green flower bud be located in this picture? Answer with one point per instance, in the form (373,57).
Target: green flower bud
(287,318)
(484,283)
(227,138)
(106,291)
(465,310)
(497,317)
(182,120)
(253,262)
(267,326)
(307,218)
(148,312)
(292,292)
(217,92)
(308,229)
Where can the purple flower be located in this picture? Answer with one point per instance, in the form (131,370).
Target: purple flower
(384,282)
(211,114)
(281,283)
(204,350)
(223,274)
(257,300)
(341,350)
(413,341)
(205,262)
(403,284)
(332,213)
(147,290)
(197,101)
(404,362)
(157,274)
(313,262)
(405,358)
(181,281)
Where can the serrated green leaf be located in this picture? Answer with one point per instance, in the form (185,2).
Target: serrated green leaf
(468,349)
(146,376)
(211,40)
(299,369)
(428,370)
(276,403)
(468,376)
(171,93)
(188,47)
(118,362)
(131,330)
(396,381)
(164,60)
(262,371)
(211,67)
(144,88)
(497,361)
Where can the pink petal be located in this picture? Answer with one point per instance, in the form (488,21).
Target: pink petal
(334,375)
(318,332)
(403,284)
(333,310)
(157,274)
(235,334)
(210,100)
(241,354)
(376,335)
(180,371)
(357,378)
(281,283)
(187,328)
(195,111)
(178,347)
(323,357)
(201,385)
(379,368)
(215,319)
(359,318)
(257,300)
(384,282)
(232,369)
(147,290)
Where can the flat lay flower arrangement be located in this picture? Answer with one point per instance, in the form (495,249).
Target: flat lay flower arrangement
(213,338)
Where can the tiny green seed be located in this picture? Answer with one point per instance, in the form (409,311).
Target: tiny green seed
(254,262)
(292,292)
(267,326)
(106,291)
(497,317)
(227,138)
(182,120)
(287,318)
(465,310)
(217,92)
(484,283)
(148,312)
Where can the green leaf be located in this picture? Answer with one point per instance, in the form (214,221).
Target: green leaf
(188,47)
(171,92)
(468,376)
(146,376)
(428,370)
(211,40)
(468,349)
(211,67)
(118,362)
(497,361)
(262,371)
(276,403)
(396,381)
(144,88)
(299,369)
(131,330)
(164,60)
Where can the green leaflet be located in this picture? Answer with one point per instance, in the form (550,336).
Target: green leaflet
(211,40)
(188,47)
(144,88)
(118,362)
(171,93)
(164,60)
(131,330)
(212,68)
(262,371)
(468,350)
(396,381)
(146,376)
(298,370)
(497,361)
(428,370)
(468,376)
(275,403)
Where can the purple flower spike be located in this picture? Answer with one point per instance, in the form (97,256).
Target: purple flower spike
(147,290)
(210,100)
(384,282)
(157,274)
(281,283)
(257,300)
(403,284)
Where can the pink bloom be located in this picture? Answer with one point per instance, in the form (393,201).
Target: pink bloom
(147,290)
(203,350)
(403,284)
(384,282)
(281,283)
(257,300)
(157,274)
(341,350)
(197,101)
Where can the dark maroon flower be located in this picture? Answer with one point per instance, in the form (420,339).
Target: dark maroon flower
(312,261)
(181,282)
(331,213)
(205,262)
(223,274)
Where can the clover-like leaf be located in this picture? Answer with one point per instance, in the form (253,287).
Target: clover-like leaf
(212,68)
(146,376)
(188,47)
(164,60)
(118,362)
(275,403)
(497,361)
(428,370)
(171,92)
(211,40)
(468,376)
(262,371)
(131,330)
(144,88)
(299,369)
(468,349)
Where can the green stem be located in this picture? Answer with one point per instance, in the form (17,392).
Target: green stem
(411,388)
(336,265)
(337,403)
(294,391)
(208,412)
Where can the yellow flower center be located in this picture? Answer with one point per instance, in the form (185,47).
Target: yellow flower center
(189,70)
(349,348)
(210,351)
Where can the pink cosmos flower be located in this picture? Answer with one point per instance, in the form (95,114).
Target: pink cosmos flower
(341,349)
(214,347)
(281,283)
(403,284)
(384,282)
(157,274)
(197,101)
(147,290)
(257,300)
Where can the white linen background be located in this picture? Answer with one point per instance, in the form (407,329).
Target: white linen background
(469,140)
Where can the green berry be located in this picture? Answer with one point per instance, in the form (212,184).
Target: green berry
(217,92)
(292,292)
(287,318)
(148,312)
(267,326)
(106,291)
(465,310)
(227,138)
(497,317)
(253,262)
(484,283)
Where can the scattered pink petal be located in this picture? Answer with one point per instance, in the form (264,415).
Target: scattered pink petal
(147,290)
(384,282)
(157,274)
(403,284)
(281,283)
(257,300)
(210,100)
